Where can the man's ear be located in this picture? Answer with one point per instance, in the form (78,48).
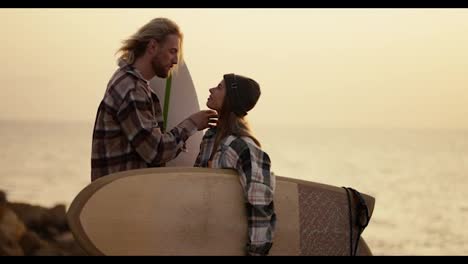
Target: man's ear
(153,46)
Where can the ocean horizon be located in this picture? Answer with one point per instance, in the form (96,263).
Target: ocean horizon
(418,176)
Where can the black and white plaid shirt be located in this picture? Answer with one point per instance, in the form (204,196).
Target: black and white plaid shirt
(253,166)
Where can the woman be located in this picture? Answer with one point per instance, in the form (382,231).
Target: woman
(231,144)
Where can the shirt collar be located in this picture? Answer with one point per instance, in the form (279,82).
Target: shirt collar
(132,70)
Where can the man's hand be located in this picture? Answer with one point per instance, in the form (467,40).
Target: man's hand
(205,119)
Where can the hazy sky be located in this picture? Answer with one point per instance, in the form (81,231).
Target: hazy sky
(324,67)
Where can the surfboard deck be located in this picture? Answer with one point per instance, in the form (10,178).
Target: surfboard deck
(200,211)
(183,102)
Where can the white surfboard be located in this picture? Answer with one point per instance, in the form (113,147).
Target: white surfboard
(201,211)
(182,103)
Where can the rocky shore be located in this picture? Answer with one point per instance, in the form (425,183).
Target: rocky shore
(31,230)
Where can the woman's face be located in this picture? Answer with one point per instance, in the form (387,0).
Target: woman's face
(216,99)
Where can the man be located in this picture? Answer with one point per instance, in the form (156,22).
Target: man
(129,131)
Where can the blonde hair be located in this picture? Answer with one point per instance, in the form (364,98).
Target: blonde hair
(159,29)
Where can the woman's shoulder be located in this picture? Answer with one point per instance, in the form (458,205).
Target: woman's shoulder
(246,149)
(240,144)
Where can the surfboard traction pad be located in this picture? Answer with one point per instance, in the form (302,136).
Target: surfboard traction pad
(315,209)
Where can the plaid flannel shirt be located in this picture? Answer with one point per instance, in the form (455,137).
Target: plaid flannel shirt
(129,132)
(253,166)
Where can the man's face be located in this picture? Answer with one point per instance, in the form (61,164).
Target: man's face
(166,56)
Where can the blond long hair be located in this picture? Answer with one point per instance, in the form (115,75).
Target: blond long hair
(159,29)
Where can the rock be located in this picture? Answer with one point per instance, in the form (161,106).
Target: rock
(57,217)
(3,199)
(31,242)
(9,247)
(32,230)
(31,215)
(66,241)
(11,231)
(48,249)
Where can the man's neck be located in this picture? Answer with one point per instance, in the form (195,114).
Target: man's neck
(144,67)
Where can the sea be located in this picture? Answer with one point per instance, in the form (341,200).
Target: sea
(419,177)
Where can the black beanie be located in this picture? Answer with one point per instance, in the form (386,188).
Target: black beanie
(243,93)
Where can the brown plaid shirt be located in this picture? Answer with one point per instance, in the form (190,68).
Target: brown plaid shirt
(129,132)
(253,166)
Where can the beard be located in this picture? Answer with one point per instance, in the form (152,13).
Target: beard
(159,69)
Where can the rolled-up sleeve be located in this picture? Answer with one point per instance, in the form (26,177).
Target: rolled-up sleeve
(261,218)
(206,147)
(258,184)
